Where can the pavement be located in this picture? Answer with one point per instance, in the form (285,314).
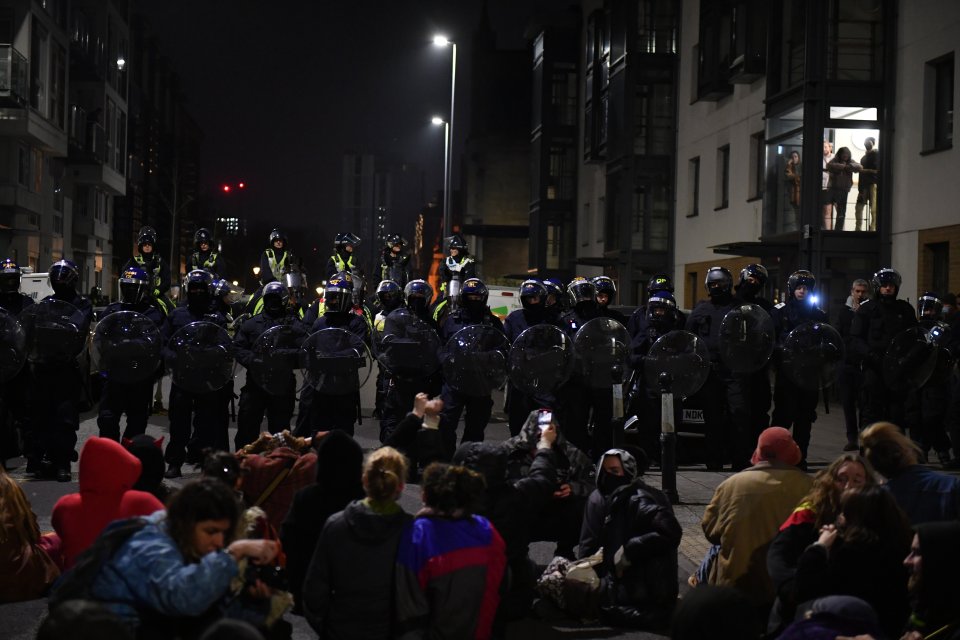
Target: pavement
(695,486)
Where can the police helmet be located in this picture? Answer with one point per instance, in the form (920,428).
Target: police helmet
(338,294)
(719,281)
(344,239)
(394,239)
(662,311)
(277,234)
(64,276)
(555,288)
(389,294)
(474,287)
(581,290)
(929,304)
(801,278)
(202,236)
(756,271)
(659,282)
(886,276)
(9,276)
(134,285)
(199,281)
(275,298)
(605,284)
(456,241)
(530,289)
(147,235)
(417,290)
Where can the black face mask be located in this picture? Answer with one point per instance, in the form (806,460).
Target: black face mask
(273,307)
(749,289)
(608,483)
(474,308)
(198,302)
(64,291)
(417,304)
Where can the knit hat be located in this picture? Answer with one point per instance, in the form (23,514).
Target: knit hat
(776,444)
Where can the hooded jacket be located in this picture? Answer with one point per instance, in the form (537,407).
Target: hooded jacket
(348,590)
(339,470)
(107,475)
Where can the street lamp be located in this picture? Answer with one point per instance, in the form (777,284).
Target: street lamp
(256,271)
(437,121)
(443,41)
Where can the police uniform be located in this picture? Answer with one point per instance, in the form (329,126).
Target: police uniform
(119,397)
(273,262)
(756,384)
(395,267)
(468,269)
(208,261)
(14,393)
(340,261)
(159,274)
(928,406)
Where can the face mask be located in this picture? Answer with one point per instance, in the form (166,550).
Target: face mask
(417,304)
(64,290)
(198,300)
(608,483)
(749,288)
(474,307)
(273,307)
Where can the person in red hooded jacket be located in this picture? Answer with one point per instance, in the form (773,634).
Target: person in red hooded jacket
(107,475)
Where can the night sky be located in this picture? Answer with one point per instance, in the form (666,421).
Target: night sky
(282,90)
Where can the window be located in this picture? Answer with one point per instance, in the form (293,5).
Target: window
(58,86)
(37,168)
(855,40)
(938,104)
(657,26)
(38,67)
(693,177)
(562,179)
(723,177)
(758,152)
(939,260)
(563,95)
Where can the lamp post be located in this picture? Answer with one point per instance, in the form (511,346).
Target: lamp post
(437,121)
(443,41)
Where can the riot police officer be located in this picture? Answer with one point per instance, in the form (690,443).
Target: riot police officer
(930,402)
(756,385)
(394,263)
(324,411)
(874,326)
(637,324)
(14,411)
(275,259)
(204,257)
(533,299)
(120,396)
(150,261)
(725,412)
(850,378)
(458,263)
(753,278)
(190,406)
(390,298)
(254,400)
(419,295)
(343,259)
(607,295)
(793,406)
(554,305)
(473,310)
(59,388)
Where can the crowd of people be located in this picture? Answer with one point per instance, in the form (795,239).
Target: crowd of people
(306,521)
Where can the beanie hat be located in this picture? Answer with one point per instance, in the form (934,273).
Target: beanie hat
(776,444)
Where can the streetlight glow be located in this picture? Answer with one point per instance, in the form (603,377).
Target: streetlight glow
(256,271)
(437,120)
(441,41)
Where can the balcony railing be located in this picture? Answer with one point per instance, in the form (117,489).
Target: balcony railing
(13,77)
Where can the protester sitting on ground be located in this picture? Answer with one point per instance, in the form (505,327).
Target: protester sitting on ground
(417,435)
(275,468)
(176,572)
(150,454)
(348,590)
(933,566)
(833,617)
(634,525)
(746,512)
(561,518)
(923,494)
(450,562)
(510,506)
(717,613)
(83,620)
(861,555)
(819,507)
(107,475)
(339,473)
(26,570)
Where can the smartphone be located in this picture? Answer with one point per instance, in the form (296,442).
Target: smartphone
(544,419)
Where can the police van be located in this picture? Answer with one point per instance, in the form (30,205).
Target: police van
(503,300)
(35,285)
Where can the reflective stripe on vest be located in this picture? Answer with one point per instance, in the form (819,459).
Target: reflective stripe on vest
(276,268)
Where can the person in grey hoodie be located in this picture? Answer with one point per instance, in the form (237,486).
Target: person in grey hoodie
(348,590)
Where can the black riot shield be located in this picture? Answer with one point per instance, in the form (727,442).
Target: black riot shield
(602,347)
(812,353)
(13,346)
(276,355)
(200,357)
(679,362)
(335,361)
(540,359)
(746,338)
(55,331)
(475,360)
(910,359)
(126,346)
(409,348)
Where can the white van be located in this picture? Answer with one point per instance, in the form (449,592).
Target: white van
(503,300)
(35,285)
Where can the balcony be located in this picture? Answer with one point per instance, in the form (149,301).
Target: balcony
(13,77)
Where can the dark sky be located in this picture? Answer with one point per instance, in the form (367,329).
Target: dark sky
(282,89)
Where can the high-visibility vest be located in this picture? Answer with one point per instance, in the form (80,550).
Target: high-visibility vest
(276,268)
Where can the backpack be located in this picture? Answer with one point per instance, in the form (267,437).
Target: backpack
(77,583)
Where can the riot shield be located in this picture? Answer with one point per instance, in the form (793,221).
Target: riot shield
(746,338)
(602,347)
(681,360)
(200,357)
(276,355)
(475,360)
(410,347)
(540,359)
(811,355)
(126,346)
(910,360)
(55,331)
(335,361)
(13,346)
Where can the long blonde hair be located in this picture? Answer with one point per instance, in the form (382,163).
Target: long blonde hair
(888,449)
(16,509)
(384,473)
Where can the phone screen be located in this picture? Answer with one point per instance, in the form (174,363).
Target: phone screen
(544,419)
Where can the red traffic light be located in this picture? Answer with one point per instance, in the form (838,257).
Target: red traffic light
(242,185)
(226,188)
